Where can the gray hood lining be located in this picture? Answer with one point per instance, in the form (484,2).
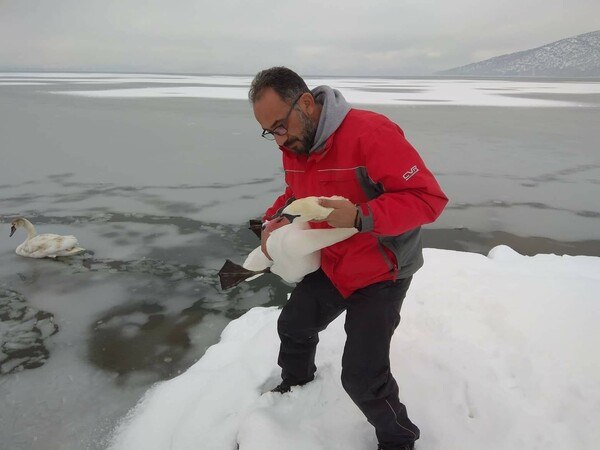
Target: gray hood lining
(334,111)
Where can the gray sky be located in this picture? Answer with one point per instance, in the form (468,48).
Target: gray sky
(314,37)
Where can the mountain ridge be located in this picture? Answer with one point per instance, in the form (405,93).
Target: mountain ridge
(576,56)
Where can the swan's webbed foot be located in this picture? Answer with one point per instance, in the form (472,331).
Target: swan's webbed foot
(255,227)
(232,274)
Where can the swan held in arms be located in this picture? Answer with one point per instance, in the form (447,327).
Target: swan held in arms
(43,245)
(295,248)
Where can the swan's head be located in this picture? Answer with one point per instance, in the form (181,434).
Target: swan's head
(305,209)
(19,222)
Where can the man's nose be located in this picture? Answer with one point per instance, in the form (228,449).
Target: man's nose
(280,139)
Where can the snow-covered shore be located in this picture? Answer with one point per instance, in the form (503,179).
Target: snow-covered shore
(495,352)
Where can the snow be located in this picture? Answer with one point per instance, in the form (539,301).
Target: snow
(492,352)
(360,91)
(575,57)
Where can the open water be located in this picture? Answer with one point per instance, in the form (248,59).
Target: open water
(158,188)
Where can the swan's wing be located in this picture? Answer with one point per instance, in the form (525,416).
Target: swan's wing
(257,260)
(71,251)
(23,250)
(304,242)
(294,270)
(50,245)
(290,261)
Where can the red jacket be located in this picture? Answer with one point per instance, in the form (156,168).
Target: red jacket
(368,161)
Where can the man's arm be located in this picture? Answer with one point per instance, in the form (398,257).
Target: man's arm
(412,196)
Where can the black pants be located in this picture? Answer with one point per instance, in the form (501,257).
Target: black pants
(372,315)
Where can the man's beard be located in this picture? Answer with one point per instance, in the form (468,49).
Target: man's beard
(307,139)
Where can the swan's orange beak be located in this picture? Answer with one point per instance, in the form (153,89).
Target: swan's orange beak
(12,230)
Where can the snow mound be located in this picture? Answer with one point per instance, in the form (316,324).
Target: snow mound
(503,253)
(487,355)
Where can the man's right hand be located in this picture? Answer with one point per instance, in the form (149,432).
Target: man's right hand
(269,227)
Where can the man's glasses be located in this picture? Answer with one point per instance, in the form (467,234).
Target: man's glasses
(280,129)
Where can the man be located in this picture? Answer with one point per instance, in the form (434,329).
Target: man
(330,148)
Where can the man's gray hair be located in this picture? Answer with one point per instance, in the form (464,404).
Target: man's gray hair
(285,82)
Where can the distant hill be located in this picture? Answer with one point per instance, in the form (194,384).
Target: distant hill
(577,56)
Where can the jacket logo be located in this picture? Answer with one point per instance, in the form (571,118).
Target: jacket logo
(410,173)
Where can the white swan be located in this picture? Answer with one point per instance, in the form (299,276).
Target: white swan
(43,245)
(295,248)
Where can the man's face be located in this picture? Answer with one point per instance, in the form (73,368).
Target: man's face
(271,111)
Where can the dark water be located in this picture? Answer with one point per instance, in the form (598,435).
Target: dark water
(159,191)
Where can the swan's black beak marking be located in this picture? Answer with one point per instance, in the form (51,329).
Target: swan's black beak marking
(290,217)
(12,230)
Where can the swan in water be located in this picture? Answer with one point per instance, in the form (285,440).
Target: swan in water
(295,248)
(43,245)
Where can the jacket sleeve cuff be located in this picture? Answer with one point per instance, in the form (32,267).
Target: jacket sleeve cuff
(365,217)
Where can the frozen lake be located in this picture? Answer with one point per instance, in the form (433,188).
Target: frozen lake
(157,175)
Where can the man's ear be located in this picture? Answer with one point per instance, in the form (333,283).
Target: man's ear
(308,102)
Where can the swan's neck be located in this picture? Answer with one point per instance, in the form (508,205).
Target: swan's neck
(31,233)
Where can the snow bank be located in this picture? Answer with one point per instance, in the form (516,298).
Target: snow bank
(494,352)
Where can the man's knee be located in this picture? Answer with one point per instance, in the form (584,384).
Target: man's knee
(289,320)
(355,383)
(362,386)
(296,332)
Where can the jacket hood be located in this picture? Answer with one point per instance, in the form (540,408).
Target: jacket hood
(334,110)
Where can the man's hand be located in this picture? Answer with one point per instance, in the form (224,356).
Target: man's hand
(270,226)
(343,214)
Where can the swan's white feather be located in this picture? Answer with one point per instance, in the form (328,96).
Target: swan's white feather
(49,246)
(257,260)
(44,245)
(296,248)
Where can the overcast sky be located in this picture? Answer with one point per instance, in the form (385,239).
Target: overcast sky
(314,37)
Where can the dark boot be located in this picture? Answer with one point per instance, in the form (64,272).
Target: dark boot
(285,386)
